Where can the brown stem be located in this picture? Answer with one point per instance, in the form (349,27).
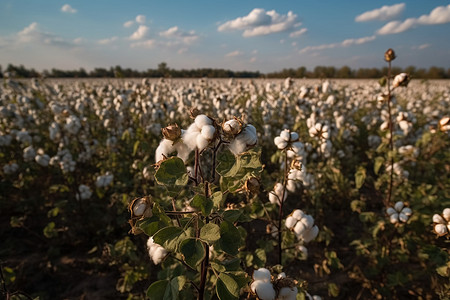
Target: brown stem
(197,159)
(213,171)
(391,142)
(280,212)
(204,270)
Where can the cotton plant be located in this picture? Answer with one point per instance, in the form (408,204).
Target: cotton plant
(302,225)
(399,213)
(441,223)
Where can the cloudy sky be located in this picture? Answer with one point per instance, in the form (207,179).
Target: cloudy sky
(259,35)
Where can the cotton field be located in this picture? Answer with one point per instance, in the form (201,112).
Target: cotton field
(225,188)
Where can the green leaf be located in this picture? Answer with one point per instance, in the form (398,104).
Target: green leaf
(226,287)
(210,232)
(193,252)
(228,165)
(333,290)
(232,215)
(172,172)
(229,238)
(367,216)
(360,177)
(379,161)
(151,225)
(217,199)
(218,266)
(136,147)
(169,237)
(50,231)
(202,203)
(157,289)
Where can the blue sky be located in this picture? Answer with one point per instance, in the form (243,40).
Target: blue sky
(237,35)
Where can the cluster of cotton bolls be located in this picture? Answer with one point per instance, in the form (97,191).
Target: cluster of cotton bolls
(243,140)
(84,192)
(277,194)
(399,213)
(156,252)
(104,180)
(302,225)
(10,168)
(281,288)
(442,222)
(200,133)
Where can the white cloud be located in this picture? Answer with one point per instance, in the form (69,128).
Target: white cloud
(382,14)
(140,19)
(68,9)
(144,44)
(234,54)
(345,43)
(108,40)
(261,22)
(175,33)
(298,33)
(253,59)
(32,34)
(128,24)
(140,33)
(421,47)
(439,15)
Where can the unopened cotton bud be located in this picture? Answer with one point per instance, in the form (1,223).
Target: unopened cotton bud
(389,55)
(261,274)
(232,127)
(399,206)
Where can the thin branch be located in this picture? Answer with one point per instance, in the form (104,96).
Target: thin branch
(280,213)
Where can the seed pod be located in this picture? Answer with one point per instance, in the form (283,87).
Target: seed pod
(141,208)
(296,164)
(252,185)
(232,127)
(389,55)
(171,132)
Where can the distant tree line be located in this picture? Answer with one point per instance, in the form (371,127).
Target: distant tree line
(164,71)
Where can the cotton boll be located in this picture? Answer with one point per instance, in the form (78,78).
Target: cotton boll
(446,214)
(299,228)
(290,222)
(202,143)
(262,274)
(390,211)
(399,206)
(438,219)
(308,221)
(273,198)
(208,132)
(441,229)
(311,234)
(393,218)
(202,120)
(190,136)
(287,293)
(298,214)
(264,290)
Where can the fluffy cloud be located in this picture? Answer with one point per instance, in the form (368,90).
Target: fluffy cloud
(140,33)
(32,34)
(382,14)
(140,19)
(144,44)
(345,43)
(128,24)
(68,9)
(261,22)
(186,37)
(439,15)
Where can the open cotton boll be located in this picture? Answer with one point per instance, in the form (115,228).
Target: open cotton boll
(261,274)
(441,229)
(208,132)
(202,120)
(398,206)
(446,214)
(164,149)
(264,290)
(287,293)
(202,143)
(290,222)
(310,234)
(298,214)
